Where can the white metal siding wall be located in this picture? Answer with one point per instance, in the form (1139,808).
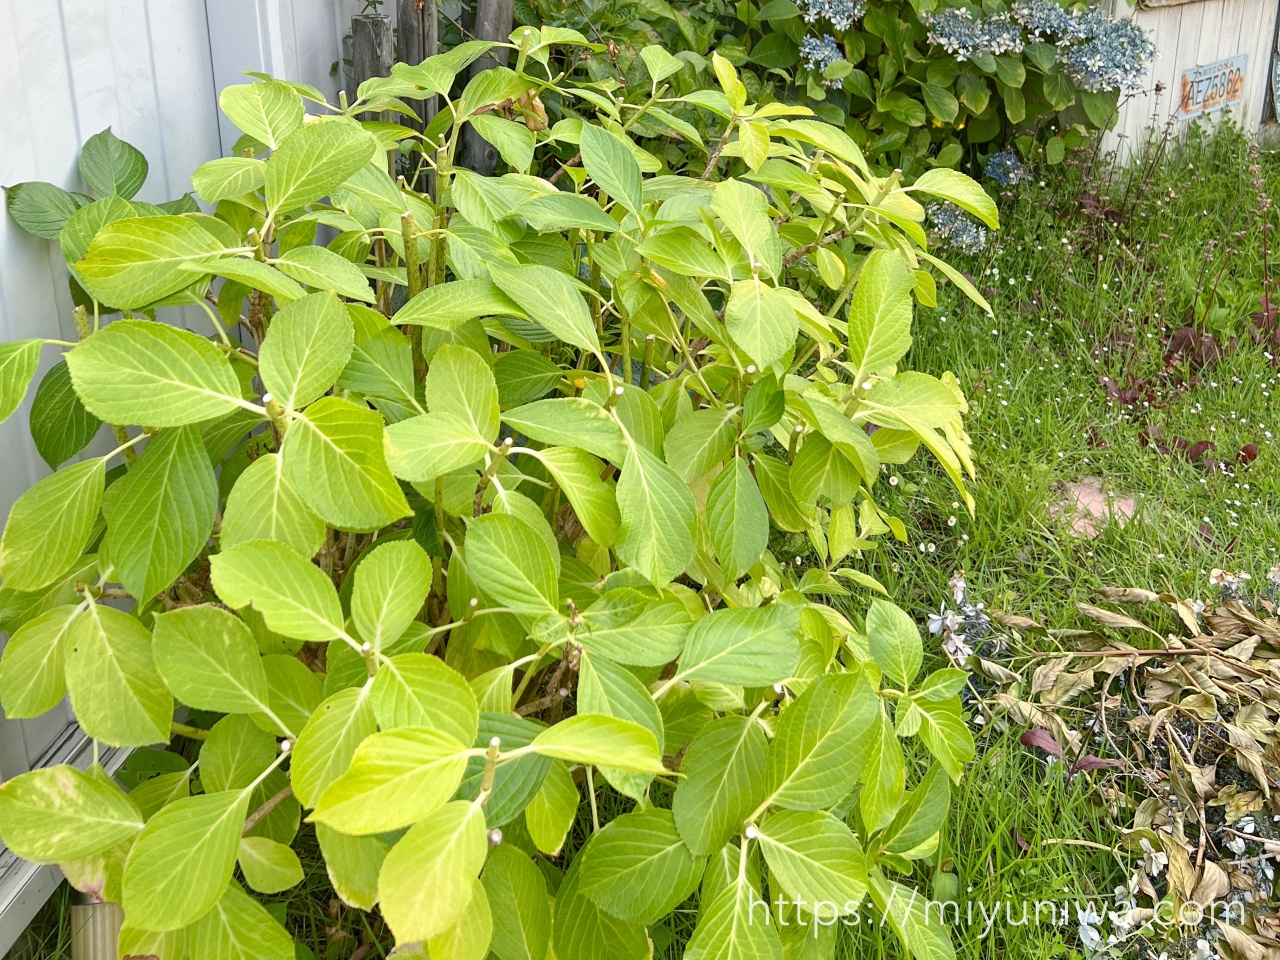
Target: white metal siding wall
(1196,34)
(72,68)
(150,70)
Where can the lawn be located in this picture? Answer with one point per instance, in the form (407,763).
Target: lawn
(1079,379)
(1082,377)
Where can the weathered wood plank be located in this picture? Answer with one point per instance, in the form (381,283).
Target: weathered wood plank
(372,49)
(493,21)
(1189,35)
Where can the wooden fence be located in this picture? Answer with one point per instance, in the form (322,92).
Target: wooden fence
(1214,59)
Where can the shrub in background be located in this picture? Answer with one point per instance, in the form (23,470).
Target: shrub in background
(465,514)
(918,83)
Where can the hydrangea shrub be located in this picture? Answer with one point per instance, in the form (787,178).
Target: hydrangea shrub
(915,83)
(462,516)
(923,81)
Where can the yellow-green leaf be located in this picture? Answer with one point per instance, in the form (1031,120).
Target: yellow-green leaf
(139,371)
(50,524)
(333,454)
(181,863)
(116,693)
(59,813)
(427,879)
(395,778)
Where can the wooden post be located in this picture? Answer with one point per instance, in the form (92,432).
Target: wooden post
(419,39)
(372,49)
(418,32)
(494,20)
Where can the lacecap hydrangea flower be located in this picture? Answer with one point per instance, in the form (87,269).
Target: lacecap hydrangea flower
(952,228)
(1097,53)
(956,32)
(820,52)
(1000,34)
(841,14)
(1115,59)
(1042,18)
(1085,25)
(1005,168)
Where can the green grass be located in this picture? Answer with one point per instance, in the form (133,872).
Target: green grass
(1079,299)
(1076,298)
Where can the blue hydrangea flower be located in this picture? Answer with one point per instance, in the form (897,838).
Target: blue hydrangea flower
(1085,25)
(952,228)
(1005,168)
(1042,18)
(1099,54)
(820,52)
(1001,35)
(1115,59)
(956,32)
(841,14)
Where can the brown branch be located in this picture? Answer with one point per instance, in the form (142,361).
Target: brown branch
(571,162)
(715,154)
(690,350)
(261,813)
(552,696)
(808,248)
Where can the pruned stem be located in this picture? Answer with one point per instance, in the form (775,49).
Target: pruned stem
(264,811)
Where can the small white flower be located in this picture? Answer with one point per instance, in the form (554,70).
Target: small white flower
(1087,920)
(1236,846)
(944,619)
(1153,861)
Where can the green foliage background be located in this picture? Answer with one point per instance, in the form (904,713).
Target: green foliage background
(905,101)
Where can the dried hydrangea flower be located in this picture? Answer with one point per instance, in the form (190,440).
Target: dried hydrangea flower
(944,621)
(1231,585)
(1274,577)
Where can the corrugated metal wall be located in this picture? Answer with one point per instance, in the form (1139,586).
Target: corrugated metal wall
(150,70)
(1194,34)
